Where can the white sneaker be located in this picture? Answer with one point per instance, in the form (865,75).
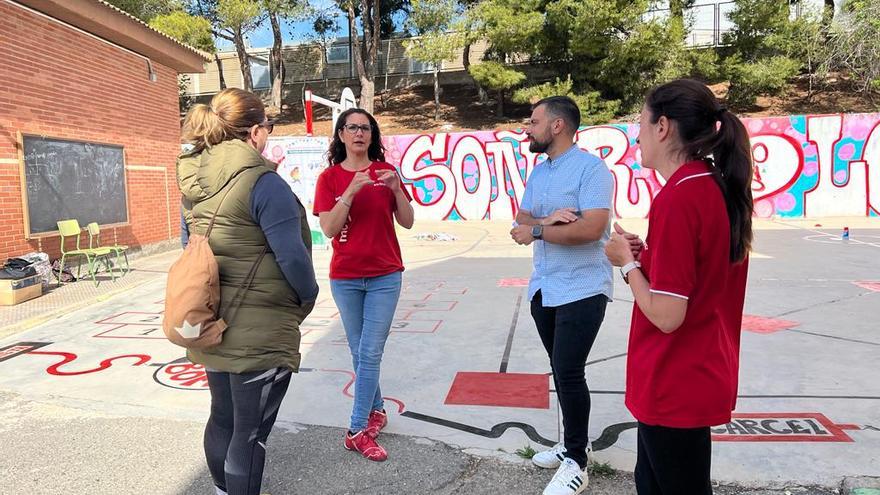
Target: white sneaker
(569,479)
(550,459)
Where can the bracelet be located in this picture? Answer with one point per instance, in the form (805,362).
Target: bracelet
(625,269)
(343,201)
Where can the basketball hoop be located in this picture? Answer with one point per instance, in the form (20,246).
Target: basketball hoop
(346,101)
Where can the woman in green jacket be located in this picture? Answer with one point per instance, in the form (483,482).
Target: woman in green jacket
(262,244)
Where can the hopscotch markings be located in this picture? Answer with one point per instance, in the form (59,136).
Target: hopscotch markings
(133,318)
(132,331)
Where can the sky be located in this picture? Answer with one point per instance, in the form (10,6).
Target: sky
(296,32)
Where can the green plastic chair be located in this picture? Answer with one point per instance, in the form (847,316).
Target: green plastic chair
(95,243)
(318,239)
(71,228)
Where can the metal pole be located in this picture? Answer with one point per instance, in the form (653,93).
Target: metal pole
(716,31)
(307,106)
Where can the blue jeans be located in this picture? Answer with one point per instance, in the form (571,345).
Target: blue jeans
(366,306)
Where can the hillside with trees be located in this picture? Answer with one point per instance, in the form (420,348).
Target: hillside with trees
(778,56)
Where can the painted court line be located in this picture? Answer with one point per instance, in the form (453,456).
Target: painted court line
(506,356)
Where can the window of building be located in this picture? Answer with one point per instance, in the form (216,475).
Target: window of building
(338,54)
(260,73)
(417,67)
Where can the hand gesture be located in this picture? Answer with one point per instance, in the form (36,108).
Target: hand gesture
(636,244)
(562,215)
(360,180)
(522,234)
(618,249)
(389,178)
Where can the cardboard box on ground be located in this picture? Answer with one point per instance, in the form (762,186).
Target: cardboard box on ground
(17,291)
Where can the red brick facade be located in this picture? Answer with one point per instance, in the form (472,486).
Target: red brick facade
(59,82)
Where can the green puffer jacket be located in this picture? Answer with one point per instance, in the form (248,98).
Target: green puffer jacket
(263,332)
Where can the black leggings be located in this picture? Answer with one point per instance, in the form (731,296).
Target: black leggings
(243,409)
(673,461)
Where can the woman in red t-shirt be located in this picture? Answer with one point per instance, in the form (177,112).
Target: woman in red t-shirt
(688,280)
(358,198)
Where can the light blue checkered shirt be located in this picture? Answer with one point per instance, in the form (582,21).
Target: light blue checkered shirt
(564,274)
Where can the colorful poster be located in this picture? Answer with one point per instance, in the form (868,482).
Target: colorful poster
(300,161)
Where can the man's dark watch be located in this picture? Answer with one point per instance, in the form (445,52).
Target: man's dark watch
(537,231)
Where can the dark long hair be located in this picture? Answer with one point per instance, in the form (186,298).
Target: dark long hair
(376,151)
(726,148)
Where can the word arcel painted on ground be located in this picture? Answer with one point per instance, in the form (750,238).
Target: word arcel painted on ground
(782,427)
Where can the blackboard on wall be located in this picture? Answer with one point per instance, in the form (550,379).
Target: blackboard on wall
(64,179)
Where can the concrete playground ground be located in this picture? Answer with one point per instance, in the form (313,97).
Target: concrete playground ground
(94,400)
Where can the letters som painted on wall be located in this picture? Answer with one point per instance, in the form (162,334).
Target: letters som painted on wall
(805,166)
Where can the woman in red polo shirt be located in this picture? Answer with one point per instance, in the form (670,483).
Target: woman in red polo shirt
(358,198)
(688,280)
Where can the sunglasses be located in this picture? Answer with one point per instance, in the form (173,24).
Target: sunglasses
(269,125)
(353,128)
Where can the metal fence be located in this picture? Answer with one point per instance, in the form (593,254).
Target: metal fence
(707,22)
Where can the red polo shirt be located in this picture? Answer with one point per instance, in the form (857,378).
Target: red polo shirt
(688,378)
(367,245)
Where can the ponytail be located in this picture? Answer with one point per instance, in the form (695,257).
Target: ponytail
(732,157)
(230,115)
(202,128)
(726,148)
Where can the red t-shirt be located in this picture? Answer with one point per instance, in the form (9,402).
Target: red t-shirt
(367,245)
(688,378)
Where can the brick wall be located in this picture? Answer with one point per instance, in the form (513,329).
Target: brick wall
(62,83)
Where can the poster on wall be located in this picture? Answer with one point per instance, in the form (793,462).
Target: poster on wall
(300,161)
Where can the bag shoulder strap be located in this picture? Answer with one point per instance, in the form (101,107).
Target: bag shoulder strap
(249,279)
(244,287)
(222,199)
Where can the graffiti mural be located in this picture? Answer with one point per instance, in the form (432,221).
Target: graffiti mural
(805,165)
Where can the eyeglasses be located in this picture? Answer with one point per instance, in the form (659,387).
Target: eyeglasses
(269,125)
(353,128)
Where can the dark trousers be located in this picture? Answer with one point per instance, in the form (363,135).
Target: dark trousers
(568,333)
(673,461)
(243,410)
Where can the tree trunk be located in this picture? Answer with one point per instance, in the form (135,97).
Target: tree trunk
(828,15)
(220,71)
(366,97)
(466,62)
(676,9)
(372,44)
(436,93)
(368,91)
(243,59)
(277,61)
(365,66)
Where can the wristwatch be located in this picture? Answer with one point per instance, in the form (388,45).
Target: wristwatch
(537,231)
(625,269)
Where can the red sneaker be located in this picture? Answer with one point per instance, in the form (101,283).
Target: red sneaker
(366,445)
(377,421)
